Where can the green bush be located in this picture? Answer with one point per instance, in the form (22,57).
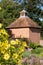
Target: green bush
(38,52)
(34,45)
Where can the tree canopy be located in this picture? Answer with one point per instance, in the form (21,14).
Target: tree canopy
(9,11)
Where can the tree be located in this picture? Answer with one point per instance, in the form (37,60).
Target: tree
(9,11)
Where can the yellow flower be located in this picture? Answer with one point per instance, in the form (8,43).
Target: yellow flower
(0,25)
(0,34)
(15,56)
(12,47)
(24,44)
(18,41)
(19,61)
(13,42)
(0,44)
(0,64)
(2,50)
(3,31)
(0,8)
(5,45)
(6,41)
(6,56)
(21,49)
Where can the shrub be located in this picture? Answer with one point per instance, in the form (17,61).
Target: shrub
(34,45)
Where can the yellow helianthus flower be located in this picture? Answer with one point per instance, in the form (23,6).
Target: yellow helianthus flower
(19,61)
(6,56)
(5,45)
(2,50)
(13,42)
(18,41)
(15,56)
(0,44)
(0,8)
(0,64)
(21,49)
(0,25)
(3,31)
(24,44)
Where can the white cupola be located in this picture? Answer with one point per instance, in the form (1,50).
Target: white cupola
(23,13)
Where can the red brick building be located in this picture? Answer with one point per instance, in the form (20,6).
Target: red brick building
(24,27)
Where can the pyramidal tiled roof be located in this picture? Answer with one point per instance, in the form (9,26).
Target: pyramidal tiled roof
(23,21)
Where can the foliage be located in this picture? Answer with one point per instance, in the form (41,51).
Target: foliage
(38,52)
(9,11)
(34,45)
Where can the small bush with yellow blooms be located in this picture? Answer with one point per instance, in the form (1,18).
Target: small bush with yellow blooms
(11,52)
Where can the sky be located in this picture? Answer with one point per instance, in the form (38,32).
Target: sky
(19,1)
(0,0)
